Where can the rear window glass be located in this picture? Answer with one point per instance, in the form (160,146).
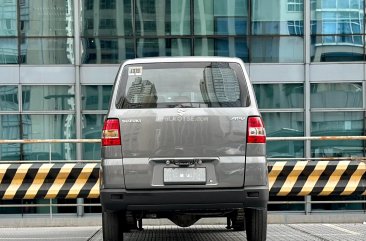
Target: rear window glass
(183,85)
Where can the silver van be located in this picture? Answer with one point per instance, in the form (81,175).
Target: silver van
(183,140)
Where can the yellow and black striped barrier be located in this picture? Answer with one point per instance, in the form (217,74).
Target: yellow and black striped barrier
(81,180)
(47,181)
(317,178)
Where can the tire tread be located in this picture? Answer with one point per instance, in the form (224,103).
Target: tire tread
(256,224)
(112,223)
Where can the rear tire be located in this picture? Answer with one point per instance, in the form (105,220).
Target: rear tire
(256,224)
(113,224)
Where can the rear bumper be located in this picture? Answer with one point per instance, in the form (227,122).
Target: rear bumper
(173,200)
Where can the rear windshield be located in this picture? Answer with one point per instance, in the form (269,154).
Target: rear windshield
(183,85)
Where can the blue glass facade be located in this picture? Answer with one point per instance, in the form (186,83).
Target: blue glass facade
(58,59)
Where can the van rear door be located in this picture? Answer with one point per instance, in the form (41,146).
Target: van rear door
(183,125)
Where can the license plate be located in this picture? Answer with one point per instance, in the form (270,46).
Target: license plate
(185,175)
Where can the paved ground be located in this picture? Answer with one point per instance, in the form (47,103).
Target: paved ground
(276,232)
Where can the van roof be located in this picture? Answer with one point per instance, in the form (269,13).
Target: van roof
(183,59)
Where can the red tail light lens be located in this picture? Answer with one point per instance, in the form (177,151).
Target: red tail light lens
(111,135)
(256,132)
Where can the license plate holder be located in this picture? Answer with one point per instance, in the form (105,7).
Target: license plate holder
(184,175)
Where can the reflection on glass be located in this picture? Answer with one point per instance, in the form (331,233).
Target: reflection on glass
(92,129)
(337,124)
(107,18)
(337,48)
(163,47)
(230,47)
(277,49)
(221,17)
(47,51)
(57,126)
(285,205)
(171,85)
(268,17)
(92,209)
(279,95)
(162,17)
(48,97)
(37,127)
(336,95)
(9,98)
(283,124)
(338,16)
(60,151)
(107,50)
(8,18)
(10,130)
(337,206)
(47,18)
(8,51)
(141,94)
(337,26)
(96,97)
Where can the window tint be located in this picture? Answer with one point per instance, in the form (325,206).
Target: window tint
(185,85)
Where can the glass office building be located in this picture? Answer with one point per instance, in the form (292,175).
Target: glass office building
(306,59)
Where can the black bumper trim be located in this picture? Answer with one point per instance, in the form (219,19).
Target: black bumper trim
(165,200)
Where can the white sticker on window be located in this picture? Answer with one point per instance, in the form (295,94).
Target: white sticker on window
(135,70)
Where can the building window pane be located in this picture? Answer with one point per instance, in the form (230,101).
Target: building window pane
(92,129)
(268,17)
(277,49)
(96,97)
(107,4)
(9,130)
(8,18)
(295,5)
(221,17)
(338,206)
(336,95)
(55,126)
(107,50)
(112,18)
(163,47)
(9,98)
(231,47)
(337,48)
(47,51)
(336,27)
(162,17)
(337,124)
(283,124)
(271,96)
(338,17)
(51,98)
(285,205)
(295,27)
(47,18)
(8,51)
(92,209)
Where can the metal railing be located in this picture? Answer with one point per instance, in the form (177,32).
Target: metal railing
(96,141)
(50,142)
(270,139)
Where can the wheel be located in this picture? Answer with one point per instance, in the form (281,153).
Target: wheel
(256,224)
(238,221)
(112,223)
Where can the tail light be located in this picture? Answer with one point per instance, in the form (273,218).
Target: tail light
(256,132)
(111,135)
